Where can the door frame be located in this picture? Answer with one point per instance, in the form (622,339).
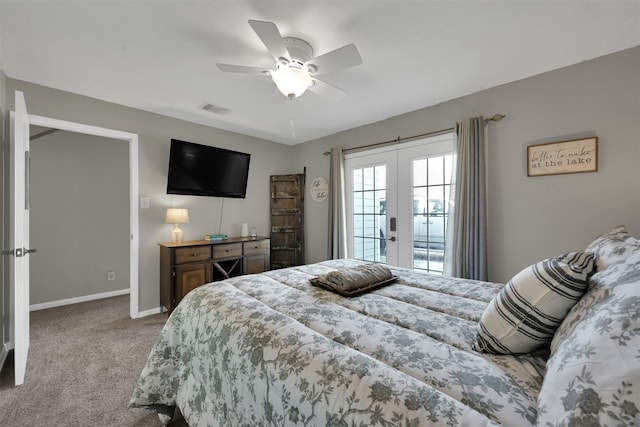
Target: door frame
(132,140)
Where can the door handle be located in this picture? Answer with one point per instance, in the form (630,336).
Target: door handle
(19,252)
(392,238)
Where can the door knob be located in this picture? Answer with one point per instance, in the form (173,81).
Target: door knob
(392,238)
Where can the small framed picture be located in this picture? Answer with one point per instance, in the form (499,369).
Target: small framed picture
(319,189)
(554,158)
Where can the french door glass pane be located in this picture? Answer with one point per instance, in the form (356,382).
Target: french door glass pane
(431,188)
(369,192)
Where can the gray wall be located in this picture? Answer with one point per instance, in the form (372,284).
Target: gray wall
(529,218)
(79,215)
(155,132)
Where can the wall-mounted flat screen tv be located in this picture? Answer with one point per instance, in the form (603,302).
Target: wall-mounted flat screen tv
(203,170)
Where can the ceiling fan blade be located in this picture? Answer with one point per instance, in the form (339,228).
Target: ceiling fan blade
(344,57)
(270,36)
(326,90)
(227,68)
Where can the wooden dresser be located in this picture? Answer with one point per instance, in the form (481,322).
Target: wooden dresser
(187,265)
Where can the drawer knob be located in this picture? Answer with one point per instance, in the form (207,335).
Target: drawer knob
(193,254)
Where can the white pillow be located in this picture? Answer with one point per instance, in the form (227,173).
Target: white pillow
(593,373)
(613,247)
(527,311)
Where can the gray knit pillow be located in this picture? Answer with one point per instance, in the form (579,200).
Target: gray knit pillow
(531,306)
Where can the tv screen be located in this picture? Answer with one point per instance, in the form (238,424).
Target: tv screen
(202,170)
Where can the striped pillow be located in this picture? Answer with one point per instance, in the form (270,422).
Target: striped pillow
(531,306)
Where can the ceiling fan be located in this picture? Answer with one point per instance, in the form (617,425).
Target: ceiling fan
(296,68)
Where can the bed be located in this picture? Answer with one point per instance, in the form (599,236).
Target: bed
(272,349)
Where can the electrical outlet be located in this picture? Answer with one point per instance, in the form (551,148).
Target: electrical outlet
(111,275)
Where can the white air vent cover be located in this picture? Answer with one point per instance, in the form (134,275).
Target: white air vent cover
(216,109)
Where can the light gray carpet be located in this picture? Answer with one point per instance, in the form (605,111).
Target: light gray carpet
(84,361)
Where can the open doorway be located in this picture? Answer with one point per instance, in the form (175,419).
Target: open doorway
(79,198)
(125,271)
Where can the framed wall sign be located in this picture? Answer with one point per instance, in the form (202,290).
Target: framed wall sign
(319,189)
(554,158)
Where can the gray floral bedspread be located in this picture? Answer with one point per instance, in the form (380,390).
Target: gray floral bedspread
(271,349)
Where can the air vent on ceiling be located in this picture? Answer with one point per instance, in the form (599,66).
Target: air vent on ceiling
(216,109)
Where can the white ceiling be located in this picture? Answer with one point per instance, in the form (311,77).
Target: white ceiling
(160,56)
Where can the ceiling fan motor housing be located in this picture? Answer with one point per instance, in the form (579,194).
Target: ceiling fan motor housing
(300,51)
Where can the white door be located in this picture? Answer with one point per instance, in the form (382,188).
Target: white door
(398,203)
(19,251)
(371,208)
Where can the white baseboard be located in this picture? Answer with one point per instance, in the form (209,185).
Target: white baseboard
(76,300)
(3,354)
(149,312)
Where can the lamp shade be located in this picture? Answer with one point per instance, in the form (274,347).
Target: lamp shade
(292,82)
(177,216)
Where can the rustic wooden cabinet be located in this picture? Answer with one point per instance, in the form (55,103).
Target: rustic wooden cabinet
(185,266)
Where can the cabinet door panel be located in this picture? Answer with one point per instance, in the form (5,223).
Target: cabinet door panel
(255,264)
(190,276)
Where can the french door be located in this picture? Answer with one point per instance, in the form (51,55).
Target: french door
(371,208)
(398,201)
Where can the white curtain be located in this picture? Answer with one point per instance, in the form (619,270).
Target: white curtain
(466,242)
(337,215)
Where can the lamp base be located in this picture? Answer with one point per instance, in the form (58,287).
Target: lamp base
(177,234)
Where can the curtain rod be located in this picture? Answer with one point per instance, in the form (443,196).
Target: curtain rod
(494,118)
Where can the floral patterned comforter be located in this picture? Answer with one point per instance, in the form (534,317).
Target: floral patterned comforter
(271,349)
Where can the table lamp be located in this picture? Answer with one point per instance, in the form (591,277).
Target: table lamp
(177,216)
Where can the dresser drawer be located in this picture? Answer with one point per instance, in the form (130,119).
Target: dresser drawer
(227,250)
(193,253)
(259,247)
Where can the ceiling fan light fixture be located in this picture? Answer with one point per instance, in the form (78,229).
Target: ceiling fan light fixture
(292,82)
